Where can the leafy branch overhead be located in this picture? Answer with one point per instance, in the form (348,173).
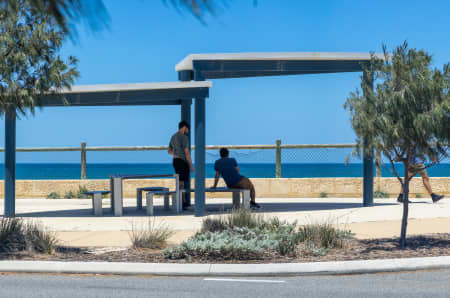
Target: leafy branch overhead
(30,65)
(69,13)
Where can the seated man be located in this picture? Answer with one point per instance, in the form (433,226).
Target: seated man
(228,168)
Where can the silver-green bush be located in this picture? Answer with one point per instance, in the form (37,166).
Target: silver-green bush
(242,235)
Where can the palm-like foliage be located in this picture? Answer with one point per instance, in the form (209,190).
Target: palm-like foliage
(67,13)
(30,65)
(406,116)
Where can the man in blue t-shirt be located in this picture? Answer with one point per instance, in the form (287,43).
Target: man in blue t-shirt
(228,168)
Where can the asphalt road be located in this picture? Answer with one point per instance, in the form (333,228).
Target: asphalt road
(415,284)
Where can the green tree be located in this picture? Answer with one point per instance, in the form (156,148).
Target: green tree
(30,65)
(406,115)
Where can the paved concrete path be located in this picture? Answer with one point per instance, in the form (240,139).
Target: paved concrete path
(75,225)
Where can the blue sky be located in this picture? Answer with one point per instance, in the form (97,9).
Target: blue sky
(146,39)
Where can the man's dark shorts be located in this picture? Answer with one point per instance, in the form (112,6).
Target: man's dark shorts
(181,168)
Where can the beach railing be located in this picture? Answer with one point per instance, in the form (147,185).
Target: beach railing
(278,147)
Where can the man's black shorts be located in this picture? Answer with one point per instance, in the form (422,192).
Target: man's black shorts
(181,168)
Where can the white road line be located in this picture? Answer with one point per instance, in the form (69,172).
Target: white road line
(246,280)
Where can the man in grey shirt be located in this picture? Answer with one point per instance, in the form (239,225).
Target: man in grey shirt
(179,148)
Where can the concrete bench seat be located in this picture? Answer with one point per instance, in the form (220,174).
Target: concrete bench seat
(141,189)
(97,200)
(177,198)
(176,201)
(237,194)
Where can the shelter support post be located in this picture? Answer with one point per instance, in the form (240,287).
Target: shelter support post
(186,116)
(10,163)
(200,143)
(368,180)
(367,155)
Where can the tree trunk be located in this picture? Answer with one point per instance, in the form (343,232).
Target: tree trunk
(405,208)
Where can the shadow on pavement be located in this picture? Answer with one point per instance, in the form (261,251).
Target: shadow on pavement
(211,209)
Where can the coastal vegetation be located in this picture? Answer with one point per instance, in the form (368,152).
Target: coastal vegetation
(405,116)
(18,235)
(379,194)
(152,235)
(242,235)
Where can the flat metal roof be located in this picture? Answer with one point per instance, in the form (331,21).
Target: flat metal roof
(234,65)
(186,63)
(164,93)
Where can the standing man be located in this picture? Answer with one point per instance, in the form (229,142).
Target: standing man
(182,162)
(228,168)
(418,167)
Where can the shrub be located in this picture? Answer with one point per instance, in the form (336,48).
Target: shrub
(12,235)
(216,224)
(39,239)
(418,195)
(240,218)
(379,194)
(82,190)
(239,244)
(53,195)
(152,235)
(69,195)
(242,235)
(238,235)
(323,195)
(16,235)
(323,235)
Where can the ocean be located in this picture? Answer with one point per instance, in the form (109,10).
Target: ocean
(46,171)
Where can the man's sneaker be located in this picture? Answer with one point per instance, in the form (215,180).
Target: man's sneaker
(400,198)
(436,197)
(254,205)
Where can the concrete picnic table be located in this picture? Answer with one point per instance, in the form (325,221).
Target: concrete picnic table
(116,182)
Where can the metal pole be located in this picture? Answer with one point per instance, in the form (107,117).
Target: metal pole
(186,116)
(278,160)
(200,142)
(83,160)
(10,162)
(367,156)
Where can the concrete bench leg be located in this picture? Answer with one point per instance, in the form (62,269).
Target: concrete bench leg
(166,202)
(139,199)
(246,198)
(118,196)
(176,203)
(97,204)
(150,203)
(236,199)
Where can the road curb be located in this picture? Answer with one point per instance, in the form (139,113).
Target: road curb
(281,269)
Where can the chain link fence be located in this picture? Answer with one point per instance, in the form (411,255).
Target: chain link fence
(257,161)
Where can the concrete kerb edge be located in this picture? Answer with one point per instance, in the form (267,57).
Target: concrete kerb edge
(280,269)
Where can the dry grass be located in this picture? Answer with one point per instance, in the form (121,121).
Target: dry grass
(18,235)
(150,235)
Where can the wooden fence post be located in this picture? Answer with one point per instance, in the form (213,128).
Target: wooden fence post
(278,160)
(83,160)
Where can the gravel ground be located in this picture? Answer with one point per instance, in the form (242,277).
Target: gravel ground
(386,248)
